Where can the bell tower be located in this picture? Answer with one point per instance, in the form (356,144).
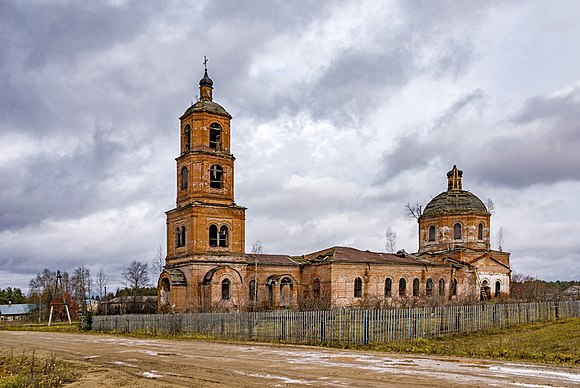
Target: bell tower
(206,221)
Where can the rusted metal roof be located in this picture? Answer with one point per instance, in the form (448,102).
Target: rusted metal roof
(352,255)
(206,106)
(454,202)
(269,259)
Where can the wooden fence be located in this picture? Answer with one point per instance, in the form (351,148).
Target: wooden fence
(342,326)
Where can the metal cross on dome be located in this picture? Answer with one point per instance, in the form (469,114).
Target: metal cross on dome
(205,63)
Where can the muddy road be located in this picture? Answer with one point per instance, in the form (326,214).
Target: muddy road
(113,361)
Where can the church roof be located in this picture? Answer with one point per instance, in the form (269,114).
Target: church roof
(270,259)
(206,106)
(455,200)
(351,255)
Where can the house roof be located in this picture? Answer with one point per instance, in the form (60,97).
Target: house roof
(16,309)
(339,254)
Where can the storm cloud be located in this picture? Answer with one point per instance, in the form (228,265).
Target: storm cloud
(343,113)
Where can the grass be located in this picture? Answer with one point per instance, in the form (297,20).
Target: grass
(59,327)
(554,342)
(33,370)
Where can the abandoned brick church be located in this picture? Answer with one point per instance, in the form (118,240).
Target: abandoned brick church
(207,267)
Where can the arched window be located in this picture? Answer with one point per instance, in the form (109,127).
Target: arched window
(480,231)
(429,287)
(177,237)
(316,288)
(357,287)
(252,290)
(453,287)
(187,137)
(213,235)
(388,287)
(441,287)
(286,292)
(497,289)
(184,178)
(402,287)
(216,177)
(226,289)
(415,287)
(223,236)
(432,233)
(182,236)
(457,231)
(215,136)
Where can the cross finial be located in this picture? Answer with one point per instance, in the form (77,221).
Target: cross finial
(205,63)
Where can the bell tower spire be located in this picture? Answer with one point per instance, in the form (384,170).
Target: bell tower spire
(205,84)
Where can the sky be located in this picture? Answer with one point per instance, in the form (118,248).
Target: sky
(343,112)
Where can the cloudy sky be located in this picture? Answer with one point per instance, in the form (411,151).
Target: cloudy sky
(343,112)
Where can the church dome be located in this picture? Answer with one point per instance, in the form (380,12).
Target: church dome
(455,200)
(206,106)
(206,81)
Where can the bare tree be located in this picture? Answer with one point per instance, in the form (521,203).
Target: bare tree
(391,241)
(499,239)
(490,205)
(158,262)
(257,247)
(136,276)
(81,285)
(101,281)
(413,211)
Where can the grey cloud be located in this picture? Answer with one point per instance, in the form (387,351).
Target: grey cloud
(415,150)
(545,154)
(47,186)
(36,33)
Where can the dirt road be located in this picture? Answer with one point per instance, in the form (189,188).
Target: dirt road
(112,361)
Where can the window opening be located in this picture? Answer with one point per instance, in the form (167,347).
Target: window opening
(457,231)
(316,288)
(429,287)
(388,287)
(182,236)
(286,292)
(215,136)
(187,135)
(177,237)
(453,287)
(497,289)
(223,236)
(184,178)
(216,177)
(252,290)
(432,233)
(415,287)
(357,287)
(402,287)
(213,236)
(441,287)
(226,289)
(480,232)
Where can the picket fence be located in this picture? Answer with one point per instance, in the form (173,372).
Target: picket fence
(342,326)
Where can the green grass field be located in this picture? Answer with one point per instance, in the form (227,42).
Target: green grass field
(554,342)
